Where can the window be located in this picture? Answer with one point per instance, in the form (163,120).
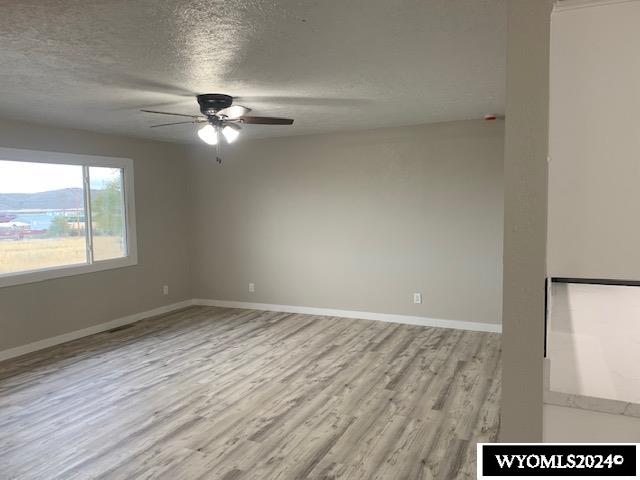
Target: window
(64,214)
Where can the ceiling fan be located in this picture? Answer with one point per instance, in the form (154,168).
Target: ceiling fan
(221,117)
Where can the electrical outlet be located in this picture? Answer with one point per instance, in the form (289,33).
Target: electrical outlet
(165,290)
(252,287)
(417,298)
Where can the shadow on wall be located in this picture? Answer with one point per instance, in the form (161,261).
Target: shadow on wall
(562,348)
(594,341)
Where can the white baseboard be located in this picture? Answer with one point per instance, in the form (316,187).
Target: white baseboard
(382,317)
(118,322)
(85,332)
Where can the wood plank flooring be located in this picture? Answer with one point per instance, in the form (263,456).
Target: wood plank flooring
(227,394)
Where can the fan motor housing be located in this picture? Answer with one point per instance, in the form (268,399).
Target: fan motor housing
(210,103)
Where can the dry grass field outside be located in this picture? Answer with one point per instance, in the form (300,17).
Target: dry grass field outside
(33,254)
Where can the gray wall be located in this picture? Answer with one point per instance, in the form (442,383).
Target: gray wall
(525,218)
(356,221)
(594,171)
(37,311)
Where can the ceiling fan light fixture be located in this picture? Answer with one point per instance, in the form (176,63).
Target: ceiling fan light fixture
(231,133)
(222,120)
(234,111)
(208,134)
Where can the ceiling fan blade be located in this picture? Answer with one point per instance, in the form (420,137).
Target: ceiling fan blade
(266,120)
(234,111)
(173,123)
(171,113)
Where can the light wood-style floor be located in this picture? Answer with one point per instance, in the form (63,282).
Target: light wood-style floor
(222,394)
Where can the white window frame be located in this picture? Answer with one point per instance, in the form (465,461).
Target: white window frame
(48,273)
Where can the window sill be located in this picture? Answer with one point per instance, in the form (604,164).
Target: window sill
(33,276)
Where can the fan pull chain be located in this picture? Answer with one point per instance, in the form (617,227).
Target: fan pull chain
(218,156)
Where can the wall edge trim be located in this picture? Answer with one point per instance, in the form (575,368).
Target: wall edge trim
(118,322)
(564,5)
(92,330)
(382,317)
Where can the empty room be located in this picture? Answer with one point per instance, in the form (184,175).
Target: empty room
(264,240)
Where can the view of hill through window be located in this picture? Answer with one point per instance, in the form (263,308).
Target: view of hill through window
(43,215)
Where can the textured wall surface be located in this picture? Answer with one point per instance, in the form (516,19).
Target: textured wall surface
(525,219)
(356,221)
(41,310)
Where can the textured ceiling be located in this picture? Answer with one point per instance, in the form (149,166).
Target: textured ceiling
(331,64)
